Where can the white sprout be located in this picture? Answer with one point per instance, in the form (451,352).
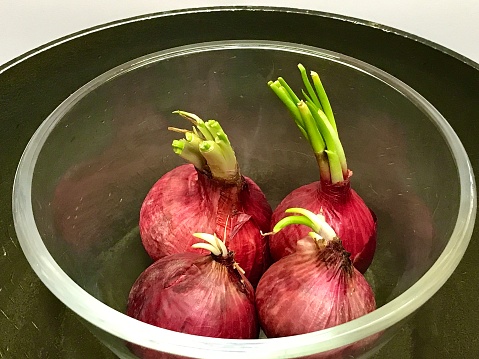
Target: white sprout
(214,245)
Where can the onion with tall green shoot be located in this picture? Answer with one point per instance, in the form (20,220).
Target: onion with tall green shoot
(332,195)
(208,195)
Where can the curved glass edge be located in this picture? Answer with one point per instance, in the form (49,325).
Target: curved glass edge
(134,331)
(278,9)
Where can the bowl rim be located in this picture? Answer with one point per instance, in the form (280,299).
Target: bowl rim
(132,330)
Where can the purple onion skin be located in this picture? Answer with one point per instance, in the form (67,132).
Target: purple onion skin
(342,208)
(185,201)
(195,294)
(310,290)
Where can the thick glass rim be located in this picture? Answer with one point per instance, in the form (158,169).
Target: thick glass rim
(134,331)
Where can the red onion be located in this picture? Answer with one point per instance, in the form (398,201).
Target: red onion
(332,195)
(314,288)
(193,293)
(211,196)
(343,209)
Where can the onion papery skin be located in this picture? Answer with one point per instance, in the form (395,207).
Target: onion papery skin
(342,208)
(185,200)
(310,290)
(195,294)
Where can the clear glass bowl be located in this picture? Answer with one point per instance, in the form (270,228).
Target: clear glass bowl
(87,169)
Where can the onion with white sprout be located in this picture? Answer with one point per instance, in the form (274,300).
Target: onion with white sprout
(194,293)
(314,288)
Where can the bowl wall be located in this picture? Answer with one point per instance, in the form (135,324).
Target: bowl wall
(104,147)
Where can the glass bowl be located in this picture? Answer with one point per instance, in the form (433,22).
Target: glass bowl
(85,172)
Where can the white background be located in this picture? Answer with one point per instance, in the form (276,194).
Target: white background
(25,25)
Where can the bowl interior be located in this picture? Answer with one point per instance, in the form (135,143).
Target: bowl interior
(104,147)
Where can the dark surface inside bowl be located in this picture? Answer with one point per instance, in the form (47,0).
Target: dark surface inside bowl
(33,322)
